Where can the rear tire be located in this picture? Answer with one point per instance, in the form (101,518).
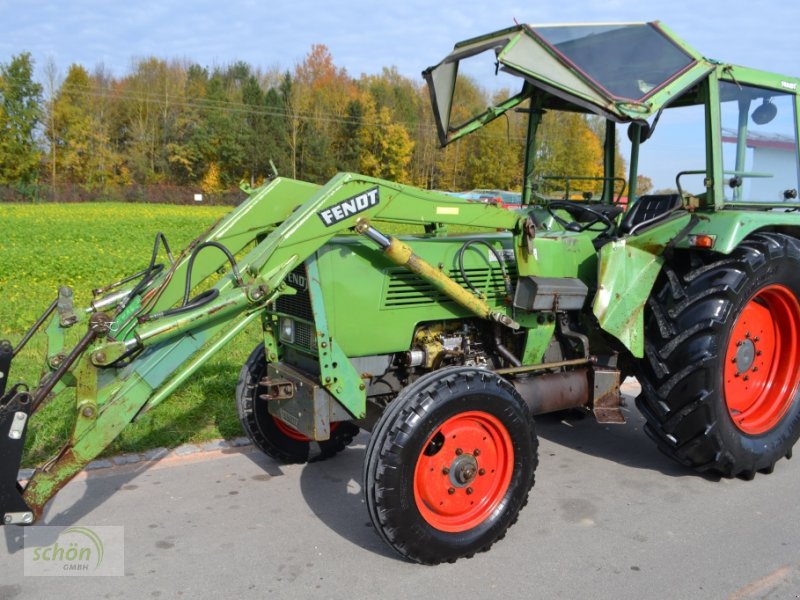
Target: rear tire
(271,435)
(449,465)
(721,371)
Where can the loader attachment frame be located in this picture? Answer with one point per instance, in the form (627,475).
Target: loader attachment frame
(145,340)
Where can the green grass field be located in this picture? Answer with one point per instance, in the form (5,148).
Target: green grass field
(86,246)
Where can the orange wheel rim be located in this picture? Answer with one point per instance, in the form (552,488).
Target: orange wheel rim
(292,433)
(761,361)
(463,471)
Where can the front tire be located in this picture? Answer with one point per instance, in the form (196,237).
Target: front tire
(449,465)
(721,373)
(271,435)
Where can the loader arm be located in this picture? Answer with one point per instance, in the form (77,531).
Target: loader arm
(139,348)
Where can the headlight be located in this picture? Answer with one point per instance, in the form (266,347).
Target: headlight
(287,330)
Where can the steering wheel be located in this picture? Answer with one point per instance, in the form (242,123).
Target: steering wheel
(574,208)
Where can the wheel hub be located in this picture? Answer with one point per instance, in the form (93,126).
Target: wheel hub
(745,355)
(463,470)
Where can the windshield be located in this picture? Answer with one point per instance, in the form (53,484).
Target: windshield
(627,61)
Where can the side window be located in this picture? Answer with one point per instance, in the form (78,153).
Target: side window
(759,144)
(678,144)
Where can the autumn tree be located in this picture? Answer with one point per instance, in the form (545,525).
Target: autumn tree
(322,93)
(643,185)
(567,147)
(20,115)
(385,146)
(79,136)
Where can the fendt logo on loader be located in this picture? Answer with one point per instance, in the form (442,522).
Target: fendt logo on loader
(351,206)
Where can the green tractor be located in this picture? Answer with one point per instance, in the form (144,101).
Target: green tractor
(444,344)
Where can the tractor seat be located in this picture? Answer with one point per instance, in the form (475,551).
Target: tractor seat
(649,210)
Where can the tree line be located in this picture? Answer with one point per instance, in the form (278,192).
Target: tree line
(176,123)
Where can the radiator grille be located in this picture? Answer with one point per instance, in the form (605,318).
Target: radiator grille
(407,289)
(299,304)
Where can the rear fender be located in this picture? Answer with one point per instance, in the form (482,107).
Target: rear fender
(627,270)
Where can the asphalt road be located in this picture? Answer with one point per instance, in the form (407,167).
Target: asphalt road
(609,517)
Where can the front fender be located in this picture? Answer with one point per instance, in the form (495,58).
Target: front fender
(627,270)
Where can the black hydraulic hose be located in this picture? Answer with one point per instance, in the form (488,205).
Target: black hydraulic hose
(150,272)
(497,255)
(188,288)
(203,297)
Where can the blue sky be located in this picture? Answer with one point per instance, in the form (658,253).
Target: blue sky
(364,36)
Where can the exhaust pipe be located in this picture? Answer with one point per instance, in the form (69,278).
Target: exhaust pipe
(555,391)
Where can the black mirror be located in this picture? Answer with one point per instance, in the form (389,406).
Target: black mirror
(764,113)
(644,130)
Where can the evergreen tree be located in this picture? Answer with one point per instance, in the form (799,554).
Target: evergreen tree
(20,115)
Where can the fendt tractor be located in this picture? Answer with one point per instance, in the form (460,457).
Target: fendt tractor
(445,344)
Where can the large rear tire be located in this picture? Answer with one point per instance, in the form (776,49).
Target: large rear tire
(721,373)
(449,465)
(271,435)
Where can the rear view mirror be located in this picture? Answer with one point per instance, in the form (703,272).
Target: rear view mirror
(764,113)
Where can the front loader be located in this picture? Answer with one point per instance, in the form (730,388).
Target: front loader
(446,342)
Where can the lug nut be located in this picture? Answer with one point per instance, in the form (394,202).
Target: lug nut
(445,470)
(733,360)
(459,452)
(481,471)
(451,491)
(755,369)
(469,490)
(746,378)
(747,335)
(476,452)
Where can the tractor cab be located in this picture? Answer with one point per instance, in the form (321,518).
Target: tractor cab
(720,134)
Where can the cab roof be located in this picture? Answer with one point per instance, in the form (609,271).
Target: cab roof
(623,71)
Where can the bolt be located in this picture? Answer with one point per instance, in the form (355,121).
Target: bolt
(88,411)
(362,386)
(758,353)
(20,416)
(755,339)
(476,452)
(451,491)
(445,470)
(327,380)
(7,519)
(746,378)
(481,471)
(324,344)
(459,452)
(469,490)
(738,343)
(755,369)
(736,374)
(733,360)
(100,357)
(747,335)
